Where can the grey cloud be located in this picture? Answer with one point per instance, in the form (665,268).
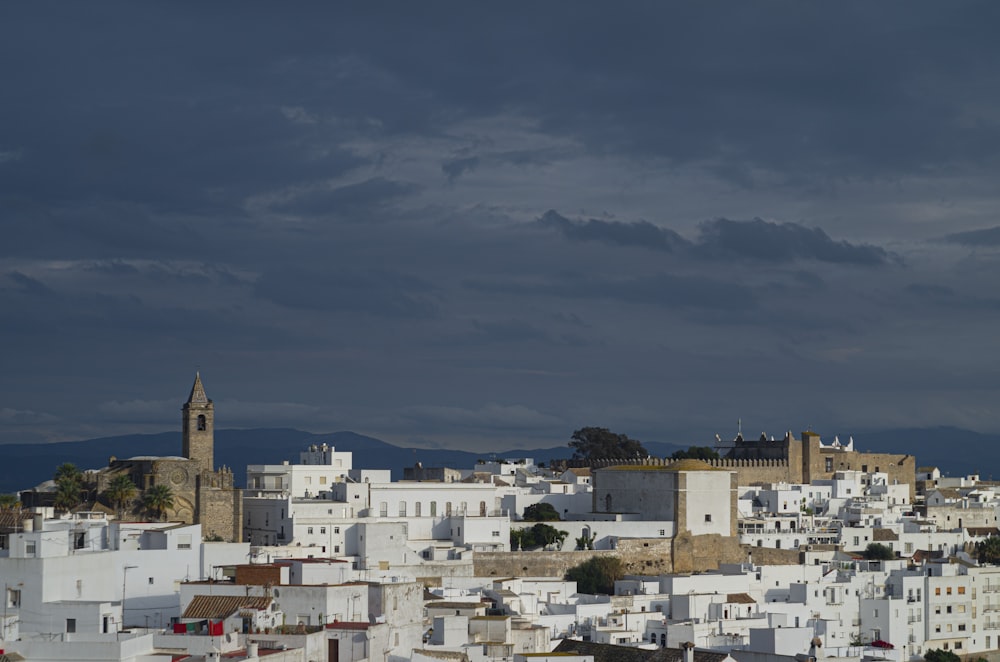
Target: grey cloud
(458,167)
(765,241)
(372,291)
(360,202)
(640,233)
(666,290)
(985,237)
(29,286)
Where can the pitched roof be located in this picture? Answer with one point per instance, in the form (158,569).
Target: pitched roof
(222,606)
(884,534)
(580,471)
(612,653)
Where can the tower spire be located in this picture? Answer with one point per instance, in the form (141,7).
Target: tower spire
(198,396)
(197,431)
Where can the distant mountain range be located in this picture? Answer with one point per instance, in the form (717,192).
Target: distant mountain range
(955,451)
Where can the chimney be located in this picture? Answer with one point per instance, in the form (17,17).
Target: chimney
(688,649)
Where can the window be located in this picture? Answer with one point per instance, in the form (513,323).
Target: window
(336,549)
(79,540)
(496,534)
(961,590)
(152,581)
(383,509)
(708,518)
(663,532)
(336,529)
(309,530)
(434,508)
(948,590)
(416,509)
(202,424)
(937,590)
(322,480)
(71,622)
(29,547)
(829,464)
(322,529)
(402,509)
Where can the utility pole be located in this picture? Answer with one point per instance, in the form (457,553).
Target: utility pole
(125,569)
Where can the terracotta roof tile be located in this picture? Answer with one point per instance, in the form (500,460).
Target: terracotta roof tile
(222,606)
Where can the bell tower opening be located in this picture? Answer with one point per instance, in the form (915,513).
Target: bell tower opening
(197,419)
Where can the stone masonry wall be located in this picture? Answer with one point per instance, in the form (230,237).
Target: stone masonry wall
(220,512)
(641,556)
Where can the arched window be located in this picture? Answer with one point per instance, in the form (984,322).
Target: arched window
(416,509)
(434,508)
(447,508)
(202,423)
(663,640)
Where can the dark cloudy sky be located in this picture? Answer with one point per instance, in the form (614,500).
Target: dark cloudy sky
(486,226)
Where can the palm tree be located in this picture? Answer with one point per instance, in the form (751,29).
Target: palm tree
(9,502)
(120,491)
(158,499)
(69,482)
(67,495)
(67,471)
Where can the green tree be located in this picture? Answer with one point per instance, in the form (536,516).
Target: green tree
(120,492)
(938,655)
(876,551)
(696,453)
(9,502)
(597,575)
(988,551)
(601,443)
(585,542)
(539,535)
(69,485)
(541,512)
(158,499)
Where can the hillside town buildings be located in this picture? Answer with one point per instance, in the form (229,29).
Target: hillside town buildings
(794,549)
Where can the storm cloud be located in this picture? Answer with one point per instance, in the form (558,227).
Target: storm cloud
(480,225)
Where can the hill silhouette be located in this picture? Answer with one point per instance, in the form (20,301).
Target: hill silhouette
(954,450)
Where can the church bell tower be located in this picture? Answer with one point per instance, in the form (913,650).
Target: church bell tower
(198,425)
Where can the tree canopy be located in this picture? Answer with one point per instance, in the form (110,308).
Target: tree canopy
(600,443)
(988,551)
(541,512)
(876,551)
(158,499)
(938,655)
(69,485)
(539,535)
(597,575)
(120,492)
(696,453)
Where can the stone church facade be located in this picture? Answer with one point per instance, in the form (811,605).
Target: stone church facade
(202,494)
